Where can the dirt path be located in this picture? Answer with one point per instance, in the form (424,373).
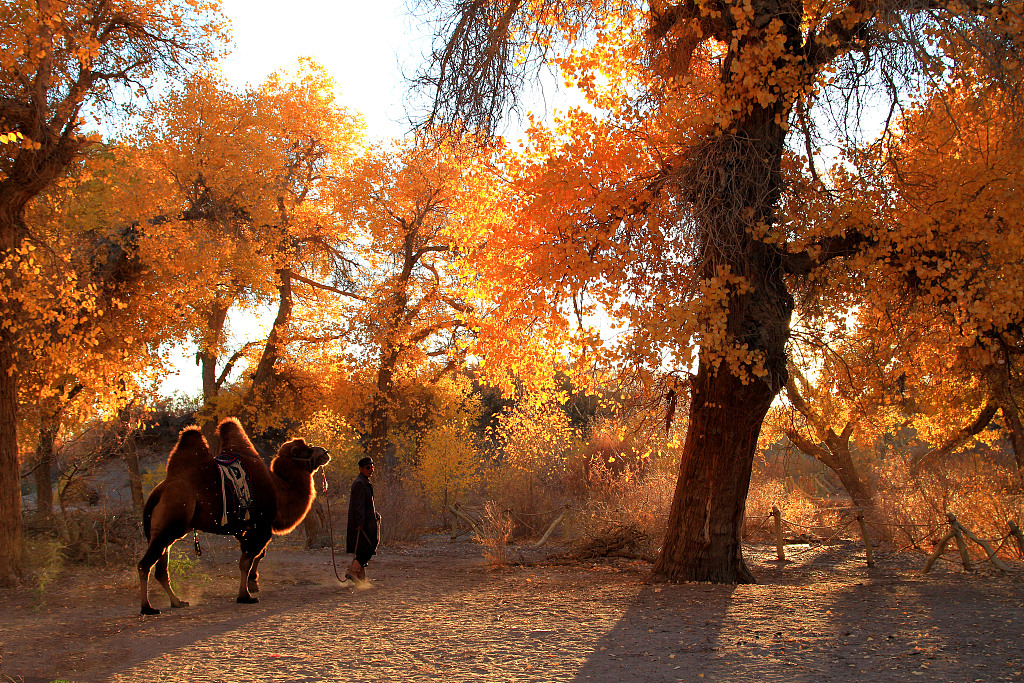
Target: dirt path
(436,613)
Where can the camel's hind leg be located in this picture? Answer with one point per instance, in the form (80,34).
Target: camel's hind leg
(162,577)
(166,517)
(253,544)
(156,554)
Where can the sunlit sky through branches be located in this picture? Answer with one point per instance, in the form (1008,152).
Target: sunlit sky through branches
(368,48)
(364,45)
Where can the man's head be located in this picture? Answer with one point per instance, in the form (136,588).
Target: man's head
(366,466)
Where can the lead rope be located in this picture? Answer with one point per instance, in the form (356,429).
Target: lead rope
(330,525)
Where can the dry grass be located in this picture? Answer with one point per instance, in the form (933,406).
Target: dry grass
(982,496)
(625,517)
(493,533)
(532,499)
(910,508)
(404,510)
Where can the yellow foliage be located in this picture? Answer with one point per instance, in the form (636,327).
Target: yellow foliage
(538,438)
(331,431)
(449,464)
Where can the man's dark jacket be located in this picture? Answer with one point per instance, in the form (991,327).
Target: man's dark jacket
(361,514)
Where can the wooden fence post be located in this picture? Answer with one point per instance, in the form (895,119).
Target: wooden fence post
(551,528)
(867,539)
(780,545)
(939,549)
(989,550)
(1015,530)
(961,545)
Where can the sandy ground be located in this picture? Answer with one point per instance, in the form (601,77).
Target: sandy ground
(435,612)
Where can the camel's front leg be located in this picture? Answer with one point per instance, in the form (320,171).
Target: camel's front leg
(254,574)
(161,575)
(253,543)
(145,565)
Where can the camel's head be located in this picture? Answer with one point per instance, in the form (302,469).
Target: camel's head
(306,457)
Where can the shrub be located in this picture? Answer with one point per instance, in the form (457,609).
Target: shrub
(43,562)
(493,533)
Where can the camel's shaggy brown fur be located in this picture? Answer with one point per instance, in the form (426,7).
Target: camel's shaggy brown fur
(190,498)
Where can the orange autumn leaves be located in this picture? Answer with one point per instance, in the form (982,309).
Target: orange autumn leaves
(587,220)
(601,229)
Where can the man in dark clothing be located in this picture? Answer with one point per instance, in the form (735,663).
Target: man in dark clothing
(363,522)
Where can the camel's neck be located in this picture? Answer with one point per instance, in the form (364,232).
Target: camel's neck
(295,494)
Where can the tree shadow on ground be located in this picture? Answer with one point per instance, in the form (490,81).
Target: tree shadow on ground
(823,616)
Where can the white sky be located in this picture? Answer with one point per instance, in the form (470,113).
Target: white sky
(361,43)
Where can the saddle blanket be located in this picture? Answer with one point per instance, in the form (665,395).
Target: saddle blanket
(232,470)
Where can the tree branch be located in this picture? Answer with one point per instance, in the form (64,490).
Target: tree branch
(960,437)
(823,251)
(328,288)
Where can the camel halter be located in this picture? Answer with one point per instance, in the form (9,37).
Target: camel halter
(308,460)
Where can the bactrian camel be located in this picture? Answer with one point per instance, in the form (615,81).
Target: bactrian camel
(190,498)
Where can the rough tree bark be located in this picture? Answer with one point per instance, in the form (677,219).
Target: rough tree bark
(207,360)
(703,542)
(998,378)
(727,410)
(383,398)
(130,453)
(316,525)
(28,176)
(10,478)
(834,453)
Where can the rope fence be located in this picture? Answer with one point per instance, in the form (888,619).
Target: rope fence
(956,531)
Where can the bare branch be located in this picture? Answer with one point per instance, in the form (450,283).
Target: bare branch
(328,288)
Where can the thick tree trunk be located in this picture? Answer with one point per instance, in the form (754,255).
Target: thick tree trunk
(31,172)
(12,231)
(131,456)
(842,464)
(1011,417)
(835,454)
(998,377)
(730,205)
(49,424)
(380,413)
(998,381)
(706,518)
(263,378)
(43,475)
(131,460)
(10,475)
(316,525)
(855,485)
(208,354)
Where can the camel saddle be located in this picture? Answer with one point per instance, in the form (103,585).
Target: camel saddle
(236,512)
